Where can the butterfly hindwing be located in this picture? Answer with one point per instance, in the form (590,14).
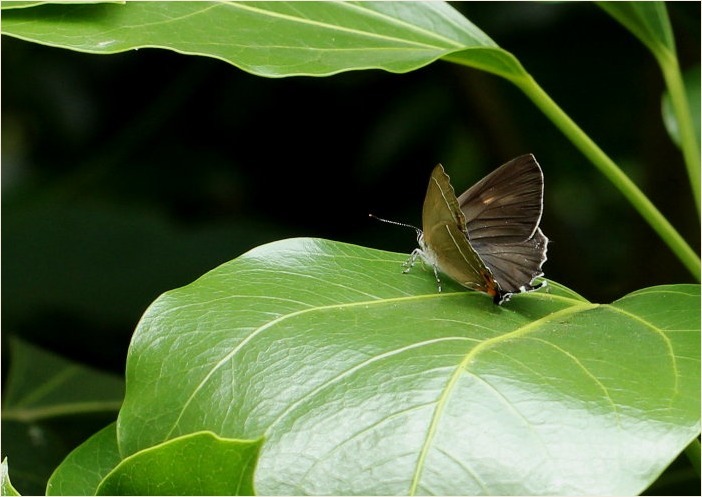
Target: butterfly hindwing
(515,265)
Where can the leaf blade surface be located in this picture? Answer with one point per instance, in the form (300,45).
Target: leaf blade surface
(329,352)
(273,39)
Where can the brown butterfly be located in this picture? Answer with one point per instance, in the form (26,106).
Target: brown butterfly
(488,239)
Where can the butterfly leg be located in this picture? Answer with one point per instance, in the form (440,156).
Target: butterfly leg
(409,263)
(436,275)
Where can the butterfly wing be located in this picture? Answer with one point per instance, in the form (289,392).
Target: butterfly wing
(502,214)
(444,242)
(515,265)
(506,205)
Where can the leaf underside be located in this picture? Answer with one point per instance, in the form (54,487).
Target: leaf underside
(272,39)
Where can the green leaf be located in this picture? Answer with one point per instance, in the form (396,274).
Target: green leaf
(19,4)
(6,487)
(42,385)
(50,406)
(272,39)
(364,380)
(691,80)
(84,468)
(42,279)
(648,21)
(196,464)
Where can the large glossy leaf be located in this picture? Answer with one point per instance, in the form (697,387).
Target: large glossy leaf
(364,380)
(272,38)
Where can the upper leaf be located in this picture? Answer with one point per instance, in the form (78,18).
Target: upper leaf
(272,39)
(364,380)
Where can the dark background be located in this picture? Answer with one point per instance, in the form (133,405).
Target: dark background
(127,175)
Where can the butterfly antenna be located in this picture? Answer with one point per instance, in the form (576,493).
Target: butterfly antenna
(419,232)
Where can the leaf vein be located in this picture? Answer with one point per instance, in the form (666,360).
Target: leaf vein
(469,357)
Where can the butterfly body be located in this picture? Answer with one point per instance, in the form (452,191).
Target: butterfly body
(487,239)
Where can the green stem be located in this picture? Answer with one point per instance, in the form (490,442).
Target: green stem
(692,452)
(627,187)
(688,138)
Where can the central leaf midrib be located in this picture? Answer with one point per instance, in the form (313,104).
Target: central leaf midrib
(463,365)
(334,27)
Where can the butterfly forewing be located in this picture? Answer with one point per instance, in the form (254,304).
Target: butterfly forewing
(502,214)
(506,205)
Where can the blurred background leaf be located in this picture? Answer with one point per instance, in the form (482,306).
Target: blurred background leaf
(49,406)
(42,385)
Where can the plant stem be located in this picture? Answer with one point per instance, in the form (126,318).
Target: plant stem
(627,187)
(688,138)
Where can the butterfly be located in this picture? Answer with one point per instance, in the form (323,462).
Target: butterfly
(488,239)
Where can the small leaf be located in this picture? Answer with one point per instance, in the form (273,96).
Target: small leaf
(84,468)
(273,39)
(691,79)
(364,380)
(6,487)
(196,464)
